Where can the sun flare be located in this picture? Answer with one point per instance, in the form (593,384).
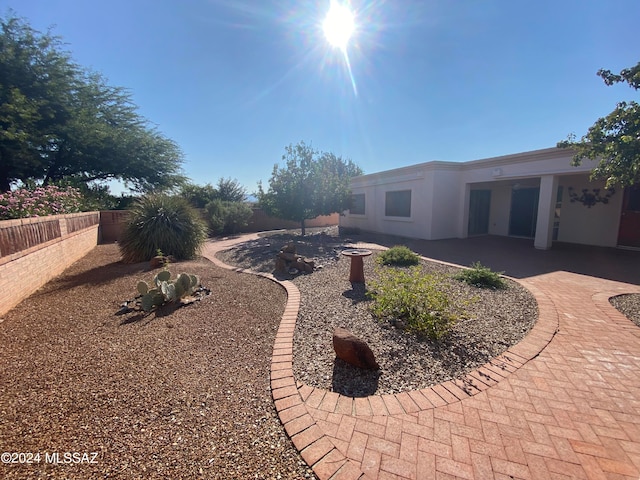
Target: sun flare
(338,25)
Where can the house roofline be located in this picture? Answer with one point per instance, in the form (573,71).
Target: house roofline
(523,157)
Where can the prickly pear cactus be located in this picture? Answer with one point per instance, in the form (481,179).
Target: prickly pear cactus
(166,290)
(146,302)
(143,287)
(169,291)
(163,276)
(183,284)
(158,299)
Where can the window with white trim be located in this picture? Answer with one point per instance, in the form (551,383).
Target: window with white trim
(398,203)
(357,204)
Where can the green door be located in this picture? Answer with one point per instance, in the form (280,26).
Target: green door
(524,212)
(479,206)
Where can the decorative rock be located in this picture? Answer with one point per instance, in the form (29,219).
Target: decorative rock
(287,260)
(289,248)
(353,350)
(158,261)
(288,256)
(281,265)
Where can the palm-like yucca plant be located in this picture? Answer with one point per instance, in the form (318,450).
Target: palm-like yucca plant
(162,222)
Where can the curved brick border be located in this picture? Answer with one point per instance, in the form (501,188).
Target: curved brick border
(293,399)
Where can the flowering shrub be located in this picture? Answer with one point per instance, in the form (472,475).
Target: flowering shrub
(39,202)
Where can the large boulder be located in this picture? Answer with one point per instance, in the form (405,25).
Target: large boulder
(353,350)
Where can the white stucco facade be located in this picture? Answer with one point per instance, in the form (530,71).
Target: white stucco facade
(526,195)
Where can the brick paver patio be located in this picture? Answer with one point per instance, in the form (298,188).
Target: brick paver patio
(563,403)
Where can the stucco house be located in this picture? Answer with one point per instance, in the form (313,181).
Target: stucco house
(536,195)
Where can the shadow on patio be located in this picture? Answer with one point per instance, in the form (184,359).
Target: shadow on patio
(518,258)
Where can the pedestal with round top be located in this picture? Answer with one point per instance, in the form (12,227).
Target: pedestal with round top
(356,273)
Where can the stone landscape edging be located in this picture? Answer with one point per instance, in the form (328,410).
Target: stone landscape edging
(292,398)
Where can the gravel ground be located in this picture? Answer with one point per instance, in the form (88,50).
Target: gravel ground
(495,320)
(629,305)
(176,394)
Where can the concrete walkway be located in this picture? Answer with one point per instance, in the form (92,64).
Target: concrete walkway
(563,403)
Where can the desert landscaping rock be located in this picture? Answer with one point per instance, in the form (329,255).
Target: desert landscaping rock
(353,350)
(495,320)
(179,393)
(629,305)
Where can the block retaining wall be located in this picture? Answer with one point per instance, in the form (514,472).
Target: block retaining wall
(260,221)
(35,250)
(112,223)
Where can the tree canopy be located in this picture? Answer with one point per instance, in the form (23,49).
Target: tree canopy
(311,183)
(226,190)
(614,140)
(59,121)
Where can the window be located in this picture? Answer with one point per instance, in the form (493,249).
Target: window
(398,204)
(357,204)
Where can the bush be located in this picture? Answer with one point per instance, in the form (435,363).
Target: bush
(162,222)
(482,277)
(228,217)
(415,298)
(400,256)
(39,202)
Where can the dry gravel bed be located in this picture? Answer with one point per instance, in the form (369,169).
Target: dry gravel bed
(629,305)
(177,394)
(494,321)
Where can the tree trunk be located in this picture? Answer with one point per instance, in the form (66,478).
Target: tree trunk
(302,227)
(5,184)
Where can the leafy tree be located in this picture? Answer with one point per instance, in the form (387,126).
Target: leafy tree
(94,196)
(227,189)
(198,195)
(230,190)
(60,121)
(36,81)
(310,184)
(613,140)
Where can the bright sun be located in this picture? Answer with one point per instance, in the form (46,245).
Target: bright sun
(338,25)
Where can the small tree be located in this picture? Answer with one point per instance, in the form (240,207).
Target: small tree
(198,195)
(227,189)
(310,184)
(230,190)
(613,140)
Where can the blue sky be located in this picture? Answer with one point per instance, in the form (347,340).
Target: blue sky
(235,81)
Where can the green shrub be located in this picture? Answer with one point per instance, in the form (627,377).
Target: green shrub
(400,256)
(483,277)
(227,217)
(415,298)
(162,222)
(215,216)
